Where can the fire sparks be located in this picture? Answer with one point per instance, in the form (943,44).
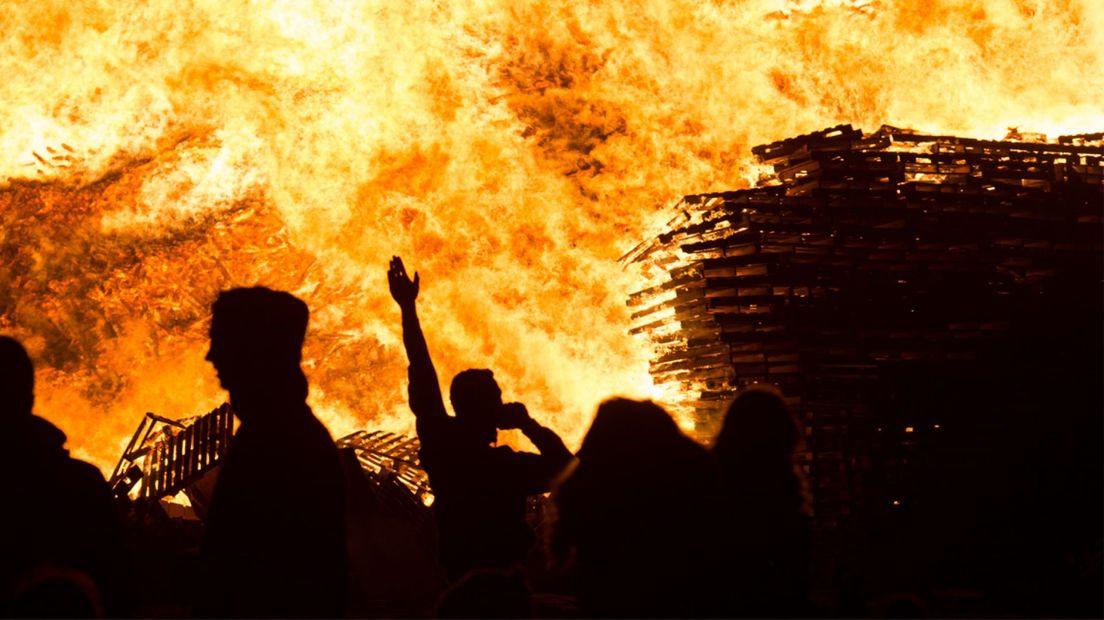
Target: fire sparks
(156,153)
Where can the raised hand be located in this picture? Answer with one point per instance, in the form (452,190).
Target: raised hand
(403,289)
(512,415)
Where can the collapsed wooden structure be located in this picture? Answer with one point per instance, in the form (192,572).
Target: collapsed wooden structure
(390,464)
(165,456)
(862,254)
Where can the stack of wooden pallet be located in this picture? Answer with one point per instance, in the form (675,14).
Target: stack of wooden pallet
(168,456)
(861,253)
(390,463)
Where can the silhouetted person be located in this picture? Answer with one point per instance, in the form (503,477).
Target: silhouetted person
(487,593)
(765,547)
(638,512)
(480,491)
(61,547)
(275,535)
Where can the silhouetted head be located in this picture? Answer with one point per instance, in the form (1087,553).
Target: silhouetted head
(257,340)
(758,426)
(759,434)
(16,380)
(755,453)
(477,399)
(623,429)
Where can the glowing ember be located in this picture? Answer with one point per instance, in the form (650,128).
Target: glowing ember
(156,153)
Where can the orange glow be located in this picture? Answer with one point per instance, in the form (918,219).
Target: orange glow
(156,152)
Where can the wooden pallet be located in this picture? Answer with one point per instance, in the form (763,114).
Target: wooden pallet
(863,252)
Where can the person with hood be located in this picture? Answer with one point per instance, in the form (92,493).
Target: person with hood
(61,544)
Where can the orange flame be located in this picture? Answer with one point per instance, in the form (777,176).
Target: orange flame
(158,152)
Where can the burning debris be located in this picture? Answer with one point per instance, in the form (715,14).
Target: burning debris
(862,255)
(154,158)
(166,457)
(390,463)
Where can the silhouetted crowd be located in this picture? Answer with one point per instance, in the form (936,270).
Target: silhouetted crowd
(642,521)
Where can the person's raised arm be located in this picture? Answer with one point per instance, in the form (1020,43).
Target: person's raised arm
(534,473)
(547,442)
(425,392)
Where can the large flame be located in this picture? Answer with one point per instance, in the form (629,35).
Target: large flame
(157,152)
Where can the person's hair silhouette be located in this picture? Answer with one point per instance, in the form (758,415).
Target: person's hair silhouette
(62,553)
(256,345)
(480,490)
(275,540)
(475,397)
(638,513)
(756,444)
(765,544)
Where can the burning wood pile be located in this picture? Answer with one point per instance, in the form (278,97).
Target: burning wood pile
(862,253)
(165,457)
(390,463)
